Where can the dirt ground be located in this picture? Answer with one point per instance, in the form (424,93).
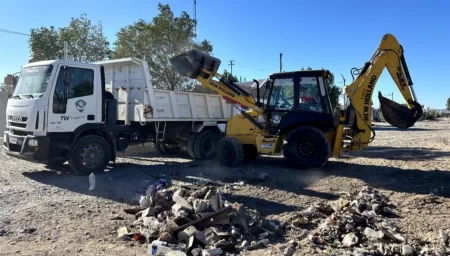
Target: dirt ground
(48,212)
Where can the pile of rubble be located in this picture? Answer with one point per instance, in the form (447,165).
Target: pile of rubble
(357,223)
(197,220)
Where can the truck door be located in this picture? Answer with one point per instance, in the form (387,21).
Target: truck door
(73,99)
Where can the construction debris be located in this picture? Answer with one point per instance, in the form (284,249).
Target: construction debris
(197,220)
(358,223)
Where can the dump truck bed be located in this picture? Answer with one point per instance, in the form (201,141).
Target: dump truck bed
(129,80)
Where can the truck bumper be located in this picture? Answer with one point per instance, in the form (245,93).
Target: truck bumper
(30,148)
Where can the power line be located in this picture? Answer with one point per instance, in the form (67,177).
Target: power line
(13,32)
(256,69)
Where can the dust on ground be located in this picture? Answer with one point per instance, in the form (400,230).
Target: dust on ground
(49,212)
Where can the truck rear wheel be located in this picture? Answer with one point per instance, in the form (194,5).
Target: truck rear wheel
(307,147)
(90,154)
(229,152)
(202,145)
(205,144)
(190,145)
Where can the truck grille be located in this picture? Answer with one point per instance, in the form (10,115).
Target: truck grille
(19,133)
(18,121)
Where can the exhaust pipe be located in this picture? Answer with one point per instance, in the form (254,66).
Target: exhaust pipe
(192,63)
(398,115)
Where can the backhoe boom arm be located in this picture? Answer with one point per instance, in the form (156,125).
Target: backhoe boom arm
(389,54)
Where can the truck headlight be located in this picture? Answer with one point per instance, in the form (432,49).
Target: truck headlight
(32,143)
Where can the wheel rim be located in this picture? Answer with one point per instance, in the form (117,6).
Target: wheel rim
(305,148)
(91,155)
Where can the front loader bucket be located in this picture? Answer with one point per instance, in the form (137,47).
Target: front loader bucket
(191,63)
(398,115)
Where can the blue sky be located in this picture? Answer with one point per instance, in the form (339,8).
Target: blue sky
(336,35)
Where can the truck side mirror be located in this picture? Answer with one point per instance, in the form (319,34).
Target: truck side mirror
(67,82)
(269,84)
(67,76)
(15,81)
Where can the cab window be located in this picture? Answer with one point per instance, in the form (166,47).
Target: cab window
(309,95)
(282,97)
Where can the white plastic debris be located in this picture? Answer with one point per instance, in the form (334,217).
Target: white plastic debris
(91,181)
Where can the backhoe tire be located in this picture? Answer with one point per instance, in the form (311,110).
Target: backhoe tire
(229,152)
(91,153)
(250,152)
(306,147)
(205,144)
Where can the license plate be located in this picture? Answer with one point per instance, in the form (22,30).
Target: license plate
(13,140)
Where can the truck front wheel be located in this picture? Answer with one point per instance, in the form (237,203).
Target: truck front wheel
(90,154)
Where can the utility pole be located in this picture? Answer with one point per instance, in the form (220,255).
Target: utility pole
(231,65)
(281,62)
(195,18)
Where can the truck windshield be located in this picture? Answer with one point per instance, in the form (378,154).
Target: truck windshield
(33,81)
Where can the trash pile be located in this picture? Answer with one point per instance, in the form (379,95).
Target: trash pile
(356,224)
(196,220)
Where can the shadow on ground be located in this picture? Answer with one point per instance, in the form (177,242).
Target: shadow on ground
(393,153)
(122,182)
(394,129)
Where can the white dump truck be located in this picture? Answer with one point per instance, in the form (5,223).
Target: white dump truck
(84,113)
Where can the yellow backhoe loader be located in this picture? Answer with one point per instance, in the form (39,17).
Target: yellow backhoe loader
(296,117)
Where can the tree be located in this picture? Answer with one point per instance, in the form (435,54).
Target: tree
(228,77)
(334,91)
(86,42)
(157,41)
(448,104)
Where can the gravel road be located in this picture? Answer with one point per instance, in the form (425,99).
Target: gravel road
(52,212)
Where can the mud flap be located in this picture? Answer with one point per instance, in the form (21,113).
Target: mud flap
(191,63)
(398,115)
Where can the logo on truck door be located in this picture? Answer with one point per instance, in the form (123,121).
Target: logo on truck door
(80,104)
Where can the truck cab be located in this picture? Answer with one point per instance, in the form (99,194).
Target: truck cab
(53,103)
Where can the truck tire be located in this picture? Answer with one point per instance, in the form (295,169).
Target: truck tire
(229,152)
(250,152)
(307,147)
(159,148)
(91,153)
(190,145)
(205,144)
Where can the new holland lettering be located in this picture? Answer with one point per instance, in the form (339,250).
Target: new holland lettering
(368,97)
(221,88)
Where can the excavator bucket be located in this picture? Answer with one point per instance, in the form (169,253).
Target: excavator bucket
(398,115)
(191,64)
